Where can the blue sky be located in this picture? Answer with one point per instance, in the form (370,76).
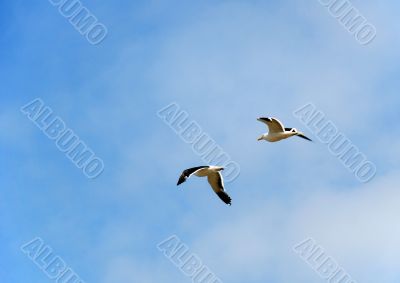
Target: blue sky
(225,63)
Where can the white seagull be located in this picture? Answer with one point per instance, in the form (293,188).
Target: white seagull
(214,178)
(277,132)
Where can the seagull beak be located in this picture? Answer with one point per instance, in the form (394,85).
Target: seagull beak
(260,138)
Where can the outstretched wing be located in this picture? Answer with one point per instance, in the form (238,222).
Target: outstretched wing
(188,172)
(274,125)
(304,137)
(217,183)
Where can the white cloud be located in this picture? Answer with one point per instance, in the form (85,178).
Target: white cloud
(358,227)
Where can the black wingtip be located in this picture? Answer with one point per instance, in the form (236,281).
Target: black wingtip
(264,119)
(304,137)
(181,180)
(225,198)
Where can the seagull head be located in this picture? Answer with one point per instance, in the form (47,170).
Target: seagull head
(294,132)
(216,168)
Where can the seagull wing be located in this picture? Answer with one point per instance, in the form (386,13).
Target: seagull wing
(274,125)
(217,183)
(304,137)
(188,172)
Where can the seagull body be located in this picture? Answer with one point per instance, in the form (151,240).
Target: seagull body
(277,132)
(214,177)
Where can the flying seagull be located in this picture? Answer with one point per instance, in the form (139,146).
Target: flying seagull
(214,178)
(277,132)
